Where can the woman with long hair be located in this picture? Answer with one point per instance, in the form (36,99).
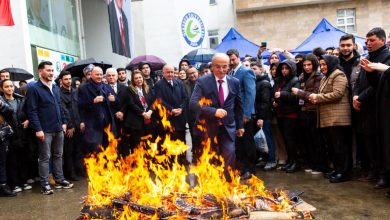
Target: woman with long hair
(138,120)
(309,83)
(334,114)
(18,155)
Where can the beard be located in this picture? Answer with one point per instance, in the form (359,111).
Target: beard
(346,56)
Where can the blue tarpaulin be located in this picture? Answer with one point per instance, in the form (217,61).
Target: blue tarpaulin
(324,35)
(234,40)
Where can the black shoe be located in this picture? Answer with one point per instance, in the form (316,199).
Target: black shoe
(64,184)
(329,174)
(285,167)
(293,168)
(246,175)
(381,184)
(5,191)
(339,178)
(46,189)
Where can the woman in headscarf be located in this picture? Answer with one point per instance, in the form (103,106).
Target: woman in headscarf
(334,114)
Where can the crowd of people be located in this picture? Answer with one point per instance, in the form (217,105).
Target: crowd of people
(316,111)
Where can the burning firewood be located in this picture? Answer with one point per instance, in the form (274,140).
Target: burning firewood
(141,186)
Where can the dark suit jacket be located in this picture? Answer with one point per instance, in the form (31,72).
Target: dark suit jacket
(247,80)
(122,92)
(172,97)
(96,116)
(116,40)
(190,115)
(133,109)
(206,87)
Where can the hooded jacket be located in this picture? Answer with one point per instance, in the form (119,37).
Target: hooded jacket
(287,102)
(263,101)
(333,105)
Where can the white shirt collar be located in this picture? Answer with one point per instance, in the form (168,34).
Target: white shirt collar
(237,67)
(49,84)
(223,79)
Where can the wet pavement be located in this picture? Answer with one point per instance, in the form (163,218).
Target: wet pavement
(349,200)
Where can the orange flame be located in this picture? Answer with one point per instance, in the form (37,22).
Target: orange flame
(203,101)
(152,175)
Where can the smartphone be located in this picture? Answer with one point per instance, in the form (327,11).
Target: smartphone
(263,44)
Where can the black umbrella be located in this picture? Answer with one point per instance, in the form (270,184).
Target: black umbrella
(17,74)
(201,55)
(76,68)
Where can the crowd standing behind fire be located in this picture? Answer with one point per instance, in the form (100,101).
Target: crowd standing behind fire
(316,112)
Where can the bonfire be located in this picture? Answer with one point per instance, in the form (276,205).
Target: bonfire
(150,183)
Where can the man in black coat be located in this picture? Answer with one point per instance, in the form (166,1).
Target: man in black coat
(119,28)
(97,104)
(69,106)
(189,85)
(379,83)
(172,95)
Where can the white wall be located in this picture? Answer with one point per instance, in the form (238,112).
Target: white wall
(221,17)
(157,25)
(15,47)
(97,33)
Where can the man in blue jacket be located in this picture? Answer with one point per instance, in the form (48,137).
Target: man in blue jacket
(48,120)
(245,146)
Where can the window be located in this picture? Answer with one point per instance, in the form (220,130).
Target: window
(212,2)
(213,38)
(53,24)
(346,20)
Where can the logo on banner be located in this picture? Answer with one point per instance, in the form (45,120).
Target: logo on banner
(192,29)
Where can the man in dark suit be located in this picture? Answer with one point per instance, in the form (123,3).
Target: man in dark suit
(121,91)
(119,28)
(246,149)
(97,103)
(223,118)
(171,93)
(189,86)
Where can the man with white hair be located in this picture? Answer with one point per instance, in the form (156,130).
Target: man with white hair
(120,91)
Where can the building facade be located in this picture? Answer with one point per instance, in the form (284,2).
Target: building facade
(287,23)
(63,31)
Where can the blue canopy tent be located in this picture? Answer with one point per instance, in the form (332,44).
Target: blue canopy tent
(324,35)
(233,39)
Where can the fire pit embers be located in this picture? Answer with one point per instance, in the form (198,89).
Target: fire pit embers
(142,186)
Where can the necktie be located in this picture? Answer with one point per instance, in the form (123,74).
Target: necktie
(122,36)
(114,88)
(221,94)
(232,73)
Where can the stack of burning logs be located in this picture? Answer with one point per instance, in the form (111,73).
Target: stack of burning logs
(182,206)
